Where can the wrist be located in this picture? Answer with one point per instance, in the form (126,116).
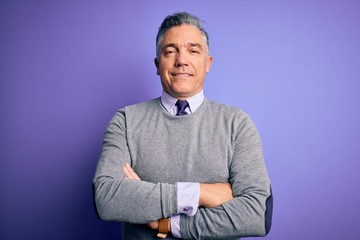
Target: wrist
(203,194)
(164,227)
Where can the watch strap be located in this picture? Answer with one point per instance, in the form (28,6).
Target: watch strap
(163,227)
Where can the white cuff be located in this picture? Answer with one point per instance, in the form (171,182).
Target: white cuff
(188,197)
(175,226)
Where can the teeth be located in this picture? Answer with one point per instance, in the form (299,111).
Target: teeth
(182,74)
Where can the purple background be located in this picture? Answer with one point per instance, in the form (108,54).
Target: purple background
(67,66)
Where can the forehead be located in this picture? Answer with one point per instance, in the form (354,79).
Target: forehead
(183,34)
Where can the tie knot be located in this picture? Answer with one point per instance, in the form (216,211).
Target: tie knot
(181,106)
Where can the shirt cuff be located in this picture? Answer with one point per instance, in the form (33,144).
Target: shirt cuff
(175,226)
(188,197)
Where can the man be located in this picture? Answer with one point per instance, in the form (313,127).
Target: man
(182,166)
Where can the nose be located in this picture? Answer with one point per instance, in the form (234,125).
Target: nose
(181,59)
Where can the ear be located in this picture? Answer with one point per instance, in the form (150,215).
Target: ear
(209,61)
(156,61)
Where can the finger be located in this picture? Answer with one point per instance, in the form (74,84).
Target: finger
(131,173)
(126,172)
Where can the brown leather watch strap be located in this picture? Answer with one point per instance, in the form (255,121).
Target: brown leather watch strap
(163,227)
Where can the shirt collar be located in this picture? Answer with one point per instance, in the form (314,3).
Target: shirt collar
(169,101)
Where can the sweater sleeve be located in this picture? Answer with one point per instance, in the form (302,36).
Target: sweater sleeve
(250,212)
(120,199)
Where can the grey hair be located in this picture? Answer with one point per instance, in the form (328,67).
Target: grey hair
(178,19)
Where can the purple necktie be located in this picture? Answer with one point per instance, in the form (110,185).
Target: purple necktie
(181,106)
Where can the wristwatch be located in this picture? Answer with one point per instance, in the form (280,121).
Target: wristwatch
(164,227)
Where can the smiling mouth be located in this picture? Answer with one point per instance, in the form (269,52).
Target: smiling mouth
(181,74)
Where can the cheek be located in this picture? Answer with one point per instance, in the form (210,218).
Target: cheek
(163,69)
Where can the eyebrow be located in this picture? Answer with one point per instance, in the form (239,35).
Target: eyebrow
(174,45)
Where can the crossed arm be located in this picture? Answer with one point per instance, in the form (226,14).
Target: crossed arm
(211,195)
(242,209)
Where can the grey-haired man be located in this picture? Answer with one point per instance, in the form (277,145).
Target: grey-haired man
(181,165)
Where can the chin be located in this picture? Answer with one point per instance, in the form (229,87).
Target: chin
(183,96)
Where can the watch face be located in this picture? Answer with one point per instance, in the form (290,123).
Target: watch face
(161,235)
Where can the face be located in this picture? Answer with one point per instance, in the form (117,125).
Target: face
(183,61)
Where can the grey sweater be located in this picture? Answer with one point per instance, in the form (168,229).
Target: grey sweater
(216,143)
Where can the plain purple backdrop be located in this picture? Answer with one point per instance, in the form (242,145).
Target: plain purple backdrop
(67,66)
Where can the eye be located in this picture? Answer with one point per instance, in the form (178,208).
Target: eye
(194,51)
(169,51)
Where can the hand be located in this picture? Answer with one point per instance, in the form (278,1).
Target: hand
(153,225)
(130,173)
(214,194)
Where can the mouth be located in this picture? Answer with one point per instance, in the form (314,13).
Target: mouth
(181,74)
